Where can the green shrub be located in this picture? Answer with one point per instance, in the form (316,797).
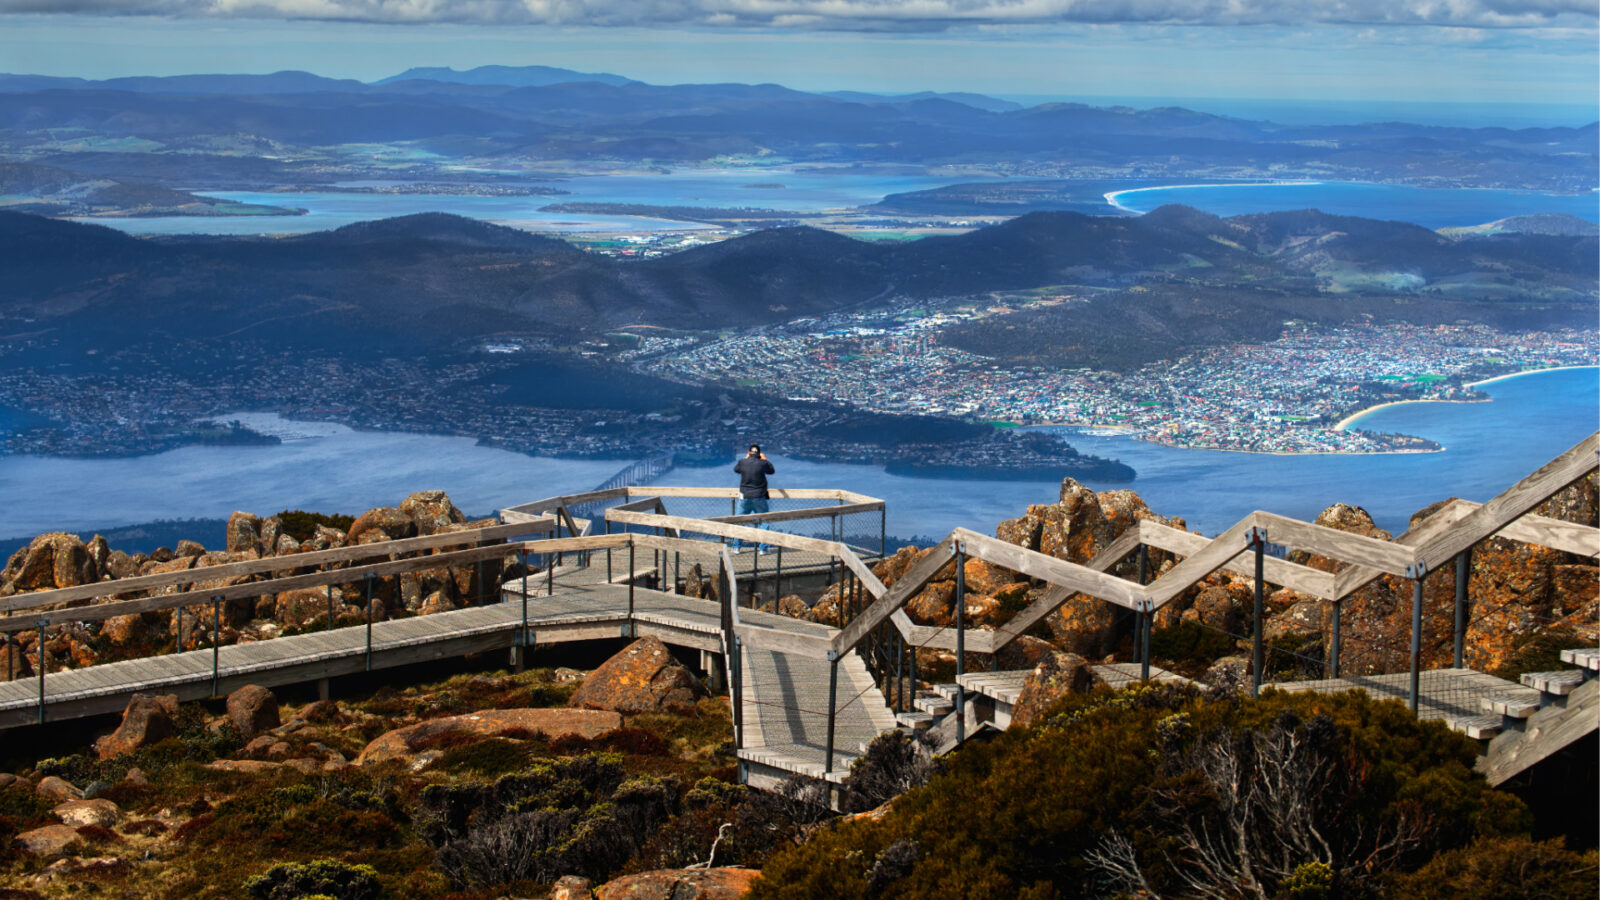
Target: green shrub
(1541,652)
(319,878)
(1189,645)
(301,525)
(1117,793)
(1503,868)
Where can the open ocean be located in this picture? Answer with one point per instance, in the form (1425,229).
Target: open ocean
(330,468)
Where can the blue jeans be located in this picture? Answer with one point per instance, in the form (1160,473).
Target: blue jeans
(751,506)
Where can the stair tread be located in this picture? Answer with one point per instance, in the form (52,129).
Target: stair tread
(1516,704)
(1559,682)
(1585,657)
(1478,727)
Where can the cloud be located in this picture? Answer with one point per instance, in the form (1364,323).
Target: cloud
(857,15)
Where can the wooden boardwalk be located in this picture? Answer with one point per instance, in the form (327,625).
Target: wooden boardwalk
(784,671)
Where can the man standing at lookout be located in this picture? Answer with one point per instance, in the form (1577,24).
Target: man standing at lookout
(753,471)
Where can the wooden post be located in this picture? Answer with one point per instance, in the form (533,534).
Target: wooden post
(608,553)
(216,639)
(899,670)
(549,576)
(1260,545)
(961,642)
(677,572)
(633,575)
(1463,573)
(369,622)
(1416,641)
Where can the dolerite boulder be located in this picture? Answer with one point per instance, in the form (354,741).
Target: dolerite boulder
(1057,675)
(642,678)
(147,719)
(244,532)
(382,524)
(252,709)
(431,511)
(551,723)
(680,884)
(53,560)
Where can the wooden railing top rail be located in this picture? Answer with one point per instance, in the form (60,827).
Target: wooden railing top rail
(792,515)
(265,564)
(550,504)
(353,574)
(1512,503)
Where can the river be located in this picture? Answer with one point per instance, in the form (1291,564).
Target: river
(330,468)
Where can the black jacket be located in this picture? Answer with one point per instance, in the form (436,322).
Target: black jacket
(753,472)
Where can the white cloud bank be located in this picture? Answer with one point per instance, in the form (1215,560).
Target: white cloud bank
(862,15)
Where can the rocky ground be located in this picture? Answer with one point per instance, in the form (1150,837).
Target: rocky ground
(551,782)
(58,560)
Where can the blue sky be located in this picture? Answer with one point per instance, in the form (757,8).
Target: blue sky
(1482,51)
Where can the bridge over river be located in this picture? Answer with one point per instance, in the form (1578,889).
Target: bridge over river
(806,697)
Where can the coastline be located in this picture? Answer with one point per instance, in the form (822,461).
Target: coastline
(1345,422)
(1520,374)
(1112,197)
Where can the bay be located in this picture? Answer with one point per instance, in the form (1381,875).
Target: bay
(330,468)
(1428,207)
(800,192)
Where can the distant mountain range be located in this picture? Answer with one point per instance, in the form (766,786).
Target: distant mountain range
(225,127)
(1172,279)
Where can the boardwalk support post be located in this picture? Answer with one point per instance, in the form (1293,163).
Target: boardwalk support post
(961,640)
(216,640)
(735,674)
(1463,573)
(369,622)
(1146,614)
(633,575)
(1259,543)
(43,664)
(330,608)
(883,531)
(1416,640)
(608,553)
(549,576)
(833,698)
(1333,644)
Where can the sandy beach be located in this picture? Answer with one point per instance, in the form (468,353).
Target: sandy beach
(1112,196)
(1348,420)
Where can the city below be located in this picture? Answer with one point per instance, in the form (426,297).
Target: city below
(870,387)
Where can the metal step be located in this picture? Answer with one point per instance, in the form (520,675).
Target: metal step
(1559,683)
(1479,728)
(1583,657)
